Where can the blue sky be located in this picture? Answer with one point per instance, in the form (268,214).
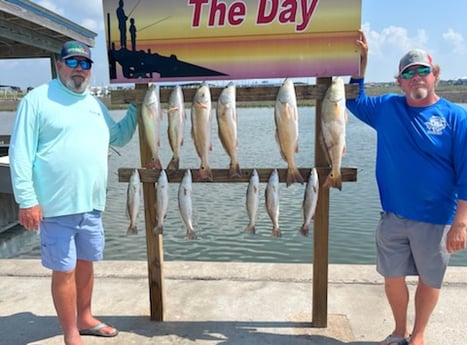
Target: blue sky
(392,27)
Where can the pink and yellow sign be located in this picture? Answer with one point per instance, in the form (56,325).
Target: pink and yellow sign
(188,40)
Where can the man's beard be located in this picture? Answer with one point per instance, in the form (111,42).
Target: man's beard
(419,93)
(78,85)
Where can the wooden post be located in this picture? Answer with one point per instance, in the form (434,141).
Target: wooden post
(321,229)
(154,247)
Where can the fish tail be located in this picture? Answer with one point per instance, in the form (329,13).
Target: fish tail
(174,164)
(190,234)
(234,170)
(157,230)
(132,230)
(204,173)
(333,181)
(276,232)
(251,229)
(305,229)
(293,175)
(154,163)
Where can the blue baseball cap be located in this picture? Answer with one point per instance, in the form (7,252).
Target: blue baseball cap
(75,48)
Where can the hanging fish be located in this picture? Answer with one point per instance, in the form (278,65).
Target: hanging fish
(310,199)
(201,119)
(286,119)
(226,115)
(162,201)
(176,117)
(185,203)
(333,124)
(133,201)
(252,201)
(152,117)
(271,195)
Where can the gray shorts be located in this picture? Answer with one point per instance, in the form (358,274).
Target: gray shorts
(65,239)
(406,247)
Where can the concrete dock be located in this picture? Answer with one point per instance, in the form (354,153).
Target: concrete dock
(211,303)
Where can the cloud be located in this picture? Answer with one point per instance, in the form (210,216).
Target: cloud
(456,40)
(395,38)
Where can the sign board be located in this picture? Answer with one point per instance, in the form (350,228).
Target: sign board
(193,40)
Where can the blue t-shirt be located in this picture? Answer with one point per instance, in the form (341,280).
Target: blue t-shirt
(421,160)
(59,149)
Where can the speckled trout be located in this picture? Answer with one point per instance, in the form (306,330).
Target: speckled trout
(333,125)
(152,116)
(185,203)
(286,119)
(176,117)
(226,115)
(133,201)
(162,201)
(201,119)
(310,200)
(271,195)
(252,201)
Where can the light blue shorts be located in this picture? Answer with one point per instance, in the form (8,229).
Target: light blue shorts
(407,247)
(65,239)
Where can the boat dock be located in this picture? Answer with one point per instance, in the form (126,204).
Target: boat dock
(228,303)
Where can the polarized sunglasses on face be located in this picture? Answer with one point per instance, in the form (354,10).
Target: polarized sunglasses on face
(422,71)
(73,63)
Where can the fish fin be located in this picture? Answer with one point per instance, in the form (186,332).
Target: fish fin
(234,170)
(334,182)
(305,229)
(296,147)
(173,164)
(154,163)
(132,230)
(158,230)
(204,173)
(276,232)
(190,234)
(293,175)
(251,229)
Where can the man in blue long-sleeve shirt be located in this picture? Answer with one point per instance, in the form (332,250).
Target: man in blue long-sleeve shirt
(58,158)
(421,171)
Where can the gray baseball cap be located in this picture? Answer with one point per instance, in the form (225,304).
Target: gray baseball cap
(415,57)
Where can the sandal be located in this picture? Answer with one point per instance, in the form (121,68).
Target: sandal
(390,339)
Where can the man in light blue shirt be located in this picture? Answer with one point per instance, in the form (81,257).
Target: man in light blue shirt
(58,158)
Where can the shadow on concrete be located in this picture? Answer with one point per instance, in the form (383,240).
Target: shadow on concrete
(25,328)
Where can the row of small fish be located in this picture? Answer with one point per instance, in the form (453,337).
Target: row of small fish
(201,119)
(272,197)
(252,201)
(161,203)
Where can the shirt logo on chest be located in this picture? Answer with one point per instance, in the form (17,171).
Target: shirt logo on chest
(436,125)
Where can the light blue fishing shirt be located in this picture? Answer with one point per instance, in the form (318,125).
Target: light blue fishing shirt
(59,149)
(421,160)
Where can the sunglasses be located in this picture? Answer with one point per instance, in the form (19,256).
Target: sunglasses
(73,63)
(422,71)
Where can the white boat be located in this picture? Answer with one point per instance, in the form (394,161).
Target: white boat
(8,206)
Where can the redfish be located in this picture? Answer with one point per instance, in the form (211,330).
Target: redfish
(286,119)
(333,125)
(201,120)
